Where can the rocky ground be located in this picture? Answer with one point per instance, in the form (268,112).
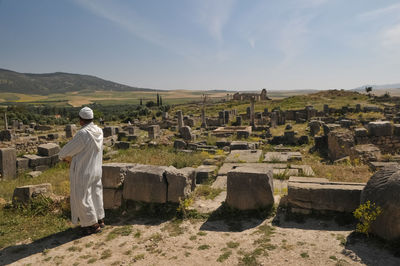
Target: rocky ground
(275,240)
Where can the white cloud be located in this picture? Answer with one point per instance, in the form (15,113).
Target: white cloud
(391,37)
(214,15)
(377,13)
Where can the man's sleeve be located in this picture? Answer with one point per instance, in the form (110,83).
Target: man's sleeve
(72,148)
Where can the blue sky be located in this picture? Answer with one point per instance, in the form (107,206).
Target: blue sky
(207,44)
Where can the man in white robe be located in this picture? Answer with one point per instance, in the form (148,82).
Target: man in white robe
(86,151)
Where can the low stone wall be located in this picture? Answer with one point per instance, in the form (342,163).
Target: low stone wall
(145,183)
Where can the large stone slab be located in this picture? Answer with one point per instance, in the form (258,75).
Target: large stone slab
(181,182)
(146,183)
(375,166)
(380,128)
(324,196)
(26,193)
(112,198)
(8,163)
(278,157)
(114,174)
(239,145)
(48,149)
(22,164)
(250,188)
(226,167)
(244,156)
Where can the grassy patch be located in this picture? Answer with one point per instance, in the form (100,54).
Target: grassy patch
(333,258)
(173,228)
(304,255)
(224,256)
(342,239)
(125,230)
(201,233)
(160,156)
(207,192)
(232,244)
(74,249)
(40,218)
(204,247)
(105,254)
(138,257)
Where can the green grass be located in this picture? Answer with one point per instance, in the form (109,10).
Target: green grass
(304,255)
(105,254)
(39,219)
(160,156)
(232,244)
(224,256)
(207,192)
(57,176)
(204,247)
(125,230)
(173,228)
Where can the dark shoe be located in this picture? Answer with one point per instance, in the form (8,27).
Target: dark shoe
(93,229)
(101,223)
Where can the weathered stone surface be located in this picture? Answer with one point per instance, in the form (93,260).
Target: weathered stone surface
(383,189)
(244,156)
(8,163)
(239,145)
(186,133)
(112,198)
(276,157)
(34,174)
(325,196)
(6,135)
(396,129)
(300,179)
(22,164)
(360,132)
(339,143)
(122,145)
(154,131)
(286,172)
(36,160)
(109,131)
(26,193)
(375,166)
(70,130)
(249,188)
(220,182)
(146,183)
(380,128)
(204,172)
(48,149)
(181,182)
(180,144)
(114,174)
(314,126)
(365,153)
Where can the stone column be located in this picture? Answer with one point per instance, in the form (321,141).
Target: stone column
(221,118)
(8,163)
(70,130)
(5,121)
(203,118)
(180,119)
(252,112)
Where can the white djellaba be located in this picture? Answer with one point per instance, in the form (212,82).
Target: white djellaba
(86,190)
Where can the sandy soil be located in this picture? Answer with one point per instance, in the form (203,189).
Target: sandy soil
(202,242)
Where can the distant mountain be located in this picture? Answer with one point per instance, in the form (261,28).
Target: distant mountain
(379,87)
(57,82)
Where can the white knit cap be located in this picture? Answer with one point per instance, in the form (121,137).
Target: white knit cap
(86,113)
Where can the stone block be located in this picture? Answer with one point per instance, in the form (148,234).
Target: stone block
(244,156)
(113,175)
(108,131)
(239,145)
(6,135)
(146,183)
(8,163)
(48,149)
(181,182)
(22,164)
(26,193)
(52,136)
(112,198)
(122,145)
(325,196)
(396,129)
(180,144)
(360,132)
(36,160)
(380,128)
(204,172)
(186,133)
(250,188)
(70,130)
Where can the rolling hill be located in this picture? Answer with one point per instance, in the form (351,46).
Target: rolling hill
(58,82)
